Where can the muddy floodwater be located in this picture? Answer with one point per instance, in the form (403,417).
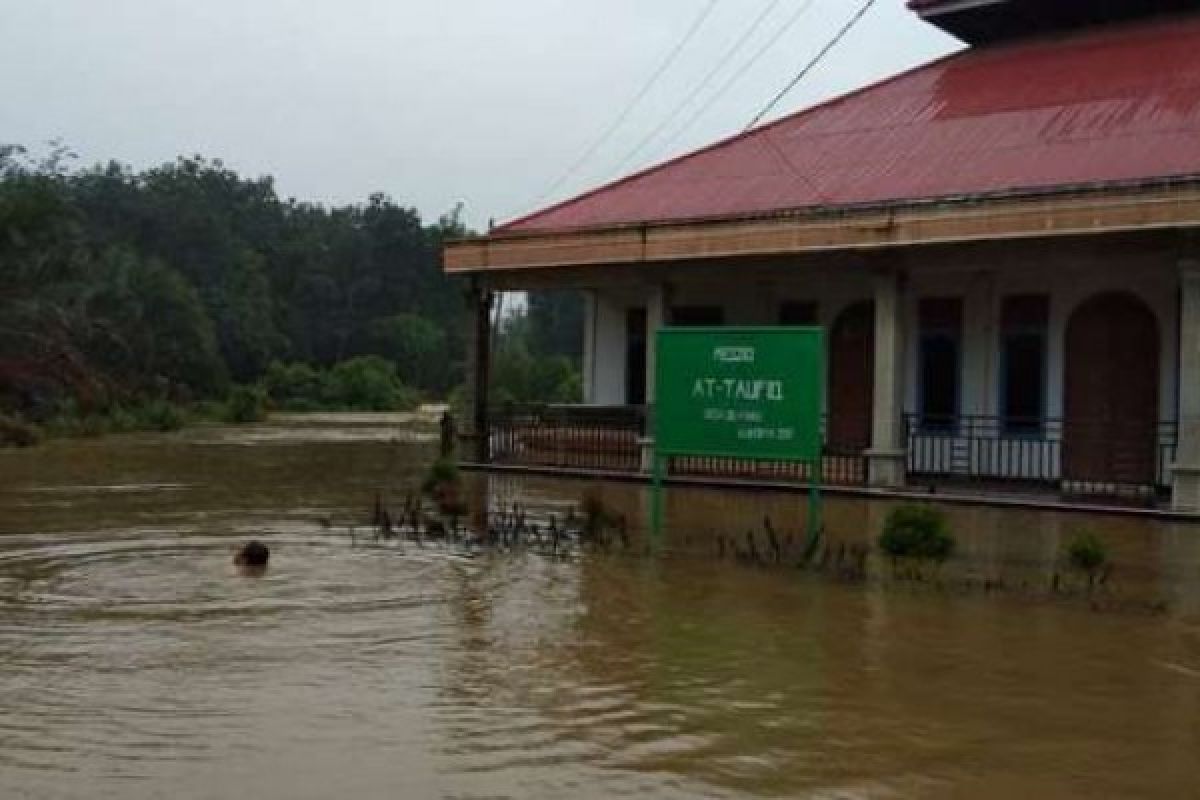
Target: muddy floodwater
(135,663)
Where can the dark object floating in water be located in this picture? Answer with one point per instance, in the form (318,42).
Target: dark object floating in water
(254,554)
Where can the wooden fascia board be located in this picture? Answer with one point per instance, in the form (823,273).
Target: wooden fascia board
(990,220)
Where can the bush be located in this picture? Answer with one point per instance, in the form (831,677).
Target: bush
(246,404)
(597,516)
(16,433)
(294,387)
(919,532)
(443,485)
(1087,553)
(142,415)
(369,383)
(159,415)
(441,472)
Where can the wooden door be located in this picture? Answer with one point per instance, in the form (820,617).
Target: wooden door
(1112,384)
(852,378)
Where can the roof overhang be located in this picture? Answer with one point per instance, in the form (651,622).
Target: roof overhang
(985,21)
(1163,205)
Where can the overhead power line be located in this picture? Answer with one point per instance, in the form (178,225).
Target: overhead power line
(608,132)
(811,65)
(702,85)
(741,73)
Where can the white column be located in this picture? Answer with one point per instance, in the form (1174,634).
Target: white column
(589,346)
(658,313)
(887,456)
(1186,474)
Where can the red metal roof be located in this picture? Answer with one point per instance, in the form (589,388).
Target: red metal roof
(1115,105)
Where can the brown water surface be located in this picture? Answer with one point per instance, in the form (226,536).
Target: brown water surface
(136,663)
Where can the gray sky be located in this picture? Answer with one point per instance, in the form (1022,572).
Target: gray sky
(483,101)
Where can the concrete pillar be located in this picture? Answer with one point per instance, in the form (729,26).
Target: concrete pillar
(590,301)
(886,460)
(1186,473)
(479,362)
(658,314)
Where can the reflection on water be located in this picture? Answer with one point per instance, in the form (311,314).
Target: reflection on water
(136,663)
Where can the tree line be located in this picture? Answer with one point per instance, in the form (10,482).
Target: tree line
(179,282)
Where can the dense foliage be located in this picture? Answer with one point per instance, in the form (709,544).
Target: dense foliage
(183,281)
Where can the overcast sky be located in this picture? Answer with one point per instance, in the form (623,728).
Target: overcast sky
(488,102)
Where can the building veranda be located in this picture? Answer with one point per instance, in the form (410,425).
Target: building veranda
(1002,246)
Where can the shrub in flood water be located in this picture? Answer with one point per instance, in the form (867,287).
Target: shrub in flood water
(917,532)
(139,415)
(246,404)
(294,387)
(443,485)
(597,516)
(16,433)
(368,383)
(159,415)
(1088,554)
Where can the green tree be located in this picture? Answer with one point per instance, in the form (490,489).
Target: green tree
(417,346)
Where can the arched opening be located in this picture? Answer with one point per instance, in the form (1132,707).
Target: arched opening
(1111,392)
(852,378)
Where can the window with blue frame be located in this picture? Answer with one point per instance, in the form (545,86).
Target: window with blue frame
(940,362)
(1023,341)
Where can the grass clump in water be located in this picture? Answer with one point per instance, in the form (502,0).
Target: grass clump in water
(443,485)
(1086,553)
(917,533)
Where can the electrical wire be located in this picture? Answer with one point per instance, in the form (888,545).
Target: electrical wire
(607,134)
(704,83)
(811,65)
(741,73)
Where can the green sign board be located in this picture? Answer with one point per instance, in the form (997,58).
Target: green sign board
(752,393)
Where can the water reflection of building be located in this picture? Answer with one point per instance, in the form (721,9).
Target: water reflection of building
(999,244)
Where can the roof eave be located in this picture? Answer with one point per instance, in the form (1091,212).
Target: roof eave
(1059,211)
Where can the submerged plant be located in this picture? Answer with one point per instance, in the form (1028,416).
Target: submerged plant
(1087,553)
(440,472)
(917,532)
(599,519)
(443,485)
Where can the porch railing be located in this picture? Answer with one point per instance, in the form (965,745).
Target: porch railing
(999,450)
(585,437)
(988,451)
(610,438)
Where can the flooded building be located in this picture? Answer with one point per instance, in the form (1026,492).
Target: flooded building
(1001,246)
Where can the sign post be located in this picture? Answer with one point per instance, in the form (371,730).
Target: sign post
(742,393)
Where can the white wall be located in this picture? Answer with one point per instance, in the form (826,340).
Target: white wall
(1069,273)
